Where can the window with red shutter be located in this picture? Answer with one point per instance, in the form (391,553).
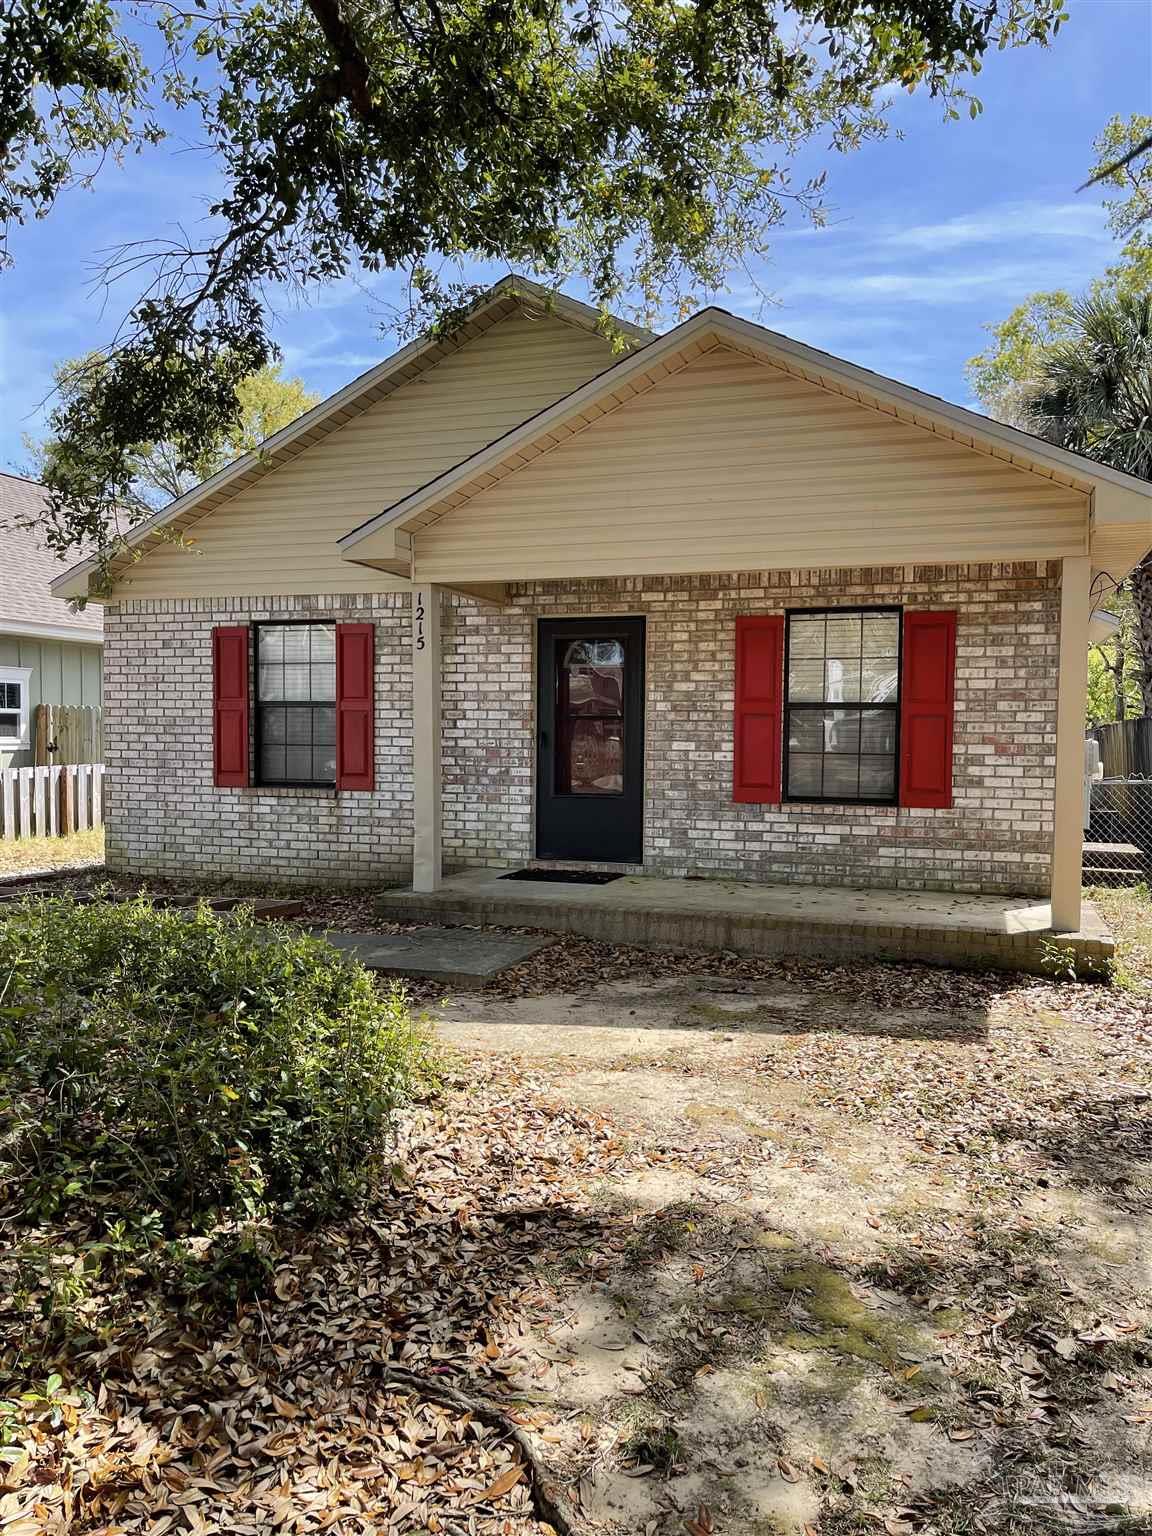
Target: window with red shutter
(355,727)
(230,706)
(759,709)
(927,708)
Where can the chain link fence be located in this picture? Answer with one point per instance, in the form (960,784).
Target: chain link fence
(1118,842)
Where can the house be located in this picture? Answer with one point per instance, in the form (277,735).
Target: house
(711,603)
(48,653)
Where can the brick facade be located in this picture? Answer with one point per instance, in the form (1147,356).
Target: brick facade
(166,817)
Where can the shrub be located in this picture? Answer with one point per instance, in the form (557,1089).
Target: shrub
(189,1064)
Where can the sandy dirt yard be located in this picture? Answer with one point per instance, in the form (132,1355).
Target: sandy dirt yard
(682,1245)
(876,1257)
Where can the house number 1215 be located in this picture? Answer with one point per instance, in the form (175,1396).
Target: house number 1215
(419,617)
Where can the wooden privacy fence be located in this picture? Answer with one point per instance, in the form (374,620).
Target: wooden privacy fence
(1126,748)
(68,733)
(51,801)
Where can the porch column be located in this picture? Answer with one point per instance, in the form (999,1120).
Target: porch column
(426,668)
(1068,811)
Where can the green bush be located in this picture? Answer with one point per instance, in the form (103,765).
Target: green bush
(177,1067)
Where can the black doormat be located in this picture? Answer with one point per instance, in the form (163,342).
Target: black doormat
(562,876)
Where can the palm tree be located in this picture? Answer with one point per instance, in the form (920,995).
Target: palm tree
(1094,396)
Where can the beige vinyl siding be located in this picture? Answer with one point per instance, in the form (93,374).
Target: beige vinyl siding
(279,535)
(731,464)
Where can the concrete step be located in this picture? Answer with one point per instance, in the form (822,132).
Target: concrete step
(1115,876)
(1114,855)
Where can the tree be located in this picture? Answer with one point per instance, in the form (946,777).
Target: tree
(1003,373)
(1093,394)
(645,146)
(157,472)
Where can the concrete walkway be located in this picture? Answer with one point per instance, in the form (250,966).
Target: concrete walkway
(823,922)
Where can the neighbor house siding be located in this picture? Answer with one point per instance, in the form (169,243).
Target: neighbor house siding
(732,464)
(996,837)
(165,816)
(62,673)
(279,535)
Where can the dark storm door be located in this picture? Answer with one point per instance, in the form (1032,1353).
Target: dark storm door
(590,745)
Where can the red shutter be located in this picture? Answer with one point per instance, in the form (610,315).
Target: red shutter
(927,699)
(355,729)
(230,706)
(759,709)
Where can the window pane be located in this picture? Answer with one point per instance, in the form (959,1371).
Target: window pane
(881,634)
(324,682)
(272,764)
(842,731)
(879,679)
(274,726)
(805,730)
(841,776)
(806,636)
(843,635)
(324,765)
(877,777)
(297,642)
(804,773)
(805,681)
(878,730)
(9,725)
(596,757)
(323,642)
(299,727)
(842,681)
(10,695)
(271,643)
(298,763)
(297,681)
(271,682)
(324,727)
(594,677)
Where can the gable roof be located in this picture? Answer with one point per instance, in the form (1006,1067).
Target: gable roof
(1127,499)
(27,606)
(504,298)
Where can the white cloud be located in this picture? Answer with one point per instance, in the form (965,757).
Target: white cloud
(1005,222)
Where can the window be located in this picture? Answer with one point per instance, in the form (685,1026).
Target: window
(14,706)
(842,705)
(296,703)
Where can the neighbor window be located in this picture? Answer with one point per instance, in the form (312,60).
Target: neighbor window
(14,706)
(842,705)
(296,703)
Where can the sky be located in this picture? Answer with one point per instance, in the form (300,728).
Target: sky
(932,235)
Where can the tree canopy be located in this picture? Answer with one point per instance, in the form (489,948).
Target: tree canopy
(161,471)
(646,146)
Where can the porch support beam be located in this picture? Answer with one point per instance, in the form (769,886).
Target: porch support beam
(1068,814)
(426,675)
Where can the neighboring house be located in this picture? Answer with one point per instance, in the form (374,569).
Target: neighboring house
(719,604)
(48,654)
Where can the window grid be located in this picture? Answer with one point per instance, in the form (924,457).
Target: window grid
(295,716)
(869,674)
(12,732)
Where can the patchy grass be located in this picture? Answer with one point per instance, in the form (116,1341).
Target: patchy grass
(1128,913)
(29,855)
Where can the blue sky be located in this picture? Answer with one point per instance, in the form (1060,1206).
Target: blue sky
(931,235)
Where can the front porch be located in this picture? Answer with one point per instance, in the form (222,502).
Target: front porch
(763,920)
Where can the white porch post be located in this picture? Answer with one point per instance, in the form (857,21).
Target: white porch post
(1068,816)
(426,669)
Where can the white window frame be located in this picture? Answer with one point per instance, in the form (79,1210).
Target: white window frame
(23,676)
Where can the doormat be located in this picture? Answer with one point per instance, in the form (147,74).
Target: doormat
(563,876)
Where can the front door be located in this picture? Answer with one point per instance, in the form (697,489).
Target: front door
(590,751)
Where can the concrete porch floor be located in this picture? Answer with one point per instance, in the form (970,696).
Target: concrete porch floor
(817,922)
